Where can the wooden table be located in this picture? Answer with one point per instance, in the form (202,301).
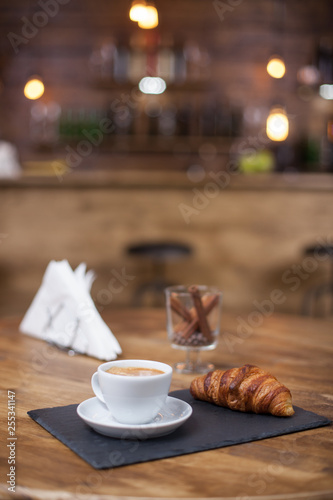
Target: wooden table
(296,350)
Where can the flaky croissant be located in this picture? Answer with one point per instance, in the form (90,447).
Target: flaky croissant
(247,389)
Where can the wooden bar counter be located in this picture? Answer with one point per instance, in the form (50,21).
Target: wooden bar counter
(248,232)
(296,350)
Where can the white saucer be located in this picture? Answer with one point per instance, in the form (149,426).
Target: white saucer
(174,413)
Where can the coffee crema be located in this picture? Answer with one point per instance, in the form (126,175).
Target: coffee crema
(133,371)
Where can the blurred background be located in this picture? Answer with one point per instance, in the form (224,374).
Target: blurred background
(192,143)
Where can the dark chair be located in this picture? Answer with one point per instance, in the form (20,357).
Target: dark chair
(318,301)
(158,254)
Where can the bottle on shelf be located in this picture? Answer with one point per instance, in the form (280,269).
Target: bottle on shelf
(185,116)
(167,122)
(166,60)
(124,121)
(236,116)
(151,45)
(153,112)
(193,57)
(121,64)
(207,119)
(326,147)
(137,65)
(179,64)
(223,120)
(325,60)
(107,53)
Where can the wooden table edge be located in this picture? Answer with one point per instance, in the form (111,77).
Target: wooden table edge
(22,493)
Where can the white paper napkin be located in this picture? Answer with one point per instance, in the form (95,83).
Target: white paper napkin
(9,163)
(63,313)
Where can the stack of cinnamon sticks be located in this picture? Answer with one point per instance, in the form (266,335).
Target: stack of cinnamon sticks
(193,329)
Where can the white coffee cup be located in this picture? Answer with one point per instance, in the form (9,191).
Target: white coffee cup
(132,399)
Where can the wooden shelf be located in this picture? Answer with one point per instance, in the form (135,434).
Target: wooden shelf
(102,178)
(142,143)
(164,144)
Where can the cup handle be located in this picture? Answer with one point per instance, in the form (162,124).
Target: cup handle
(96,387)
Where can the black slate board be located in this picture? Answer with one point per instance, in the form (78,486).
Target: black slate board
(208,427)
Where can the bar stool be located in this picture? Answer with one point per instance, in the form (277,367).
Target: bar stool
(157,254)
(313,299)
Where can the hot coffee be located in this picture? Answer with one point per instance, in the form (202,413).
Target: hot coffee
(133,371)
(138,394)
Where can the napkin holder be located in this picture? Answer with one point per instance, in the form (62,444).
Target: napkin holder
(10,167)
(64,314)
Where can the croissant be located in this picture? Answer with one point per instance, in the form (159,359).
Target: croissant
(248,389)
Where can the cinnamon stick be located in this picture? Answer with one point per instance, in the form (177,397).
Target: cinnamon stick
(193,313)
(180,309)
(202,318)
(187,328)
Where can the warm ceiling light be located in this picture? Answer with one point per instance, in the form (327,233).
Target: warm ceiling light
(144,13)
(137,10)
(149,19)
(276,67)
(34,89)
(277,125)
(152,85)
